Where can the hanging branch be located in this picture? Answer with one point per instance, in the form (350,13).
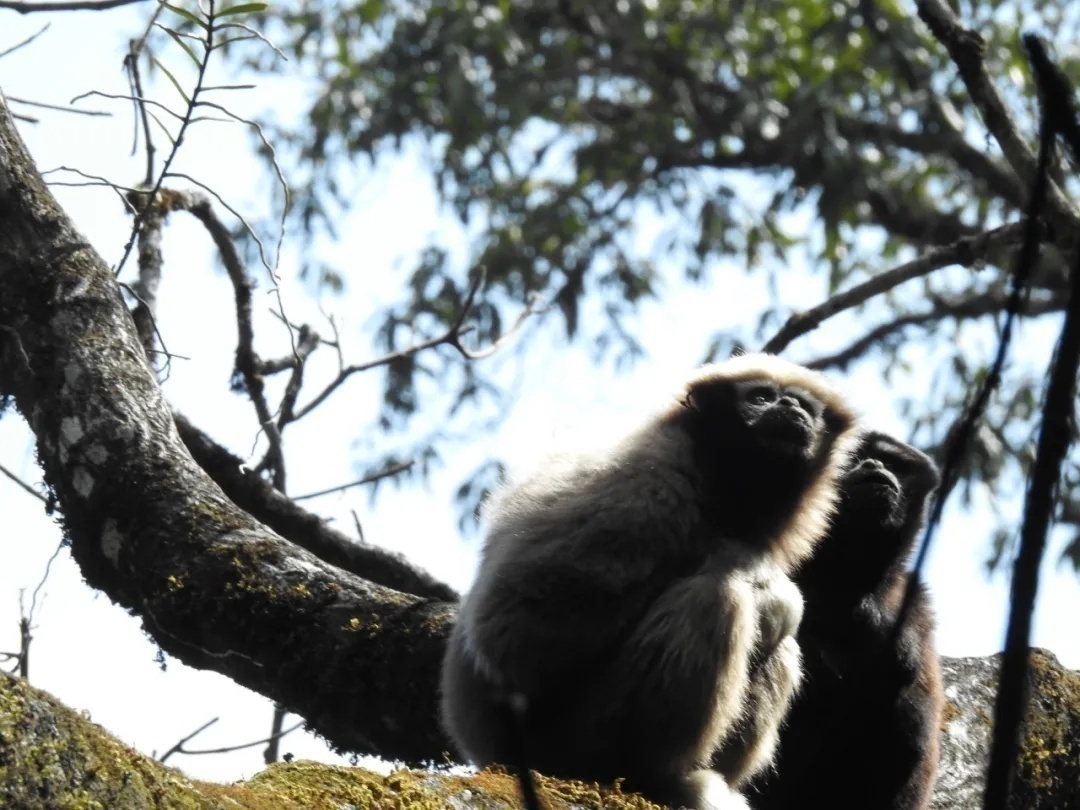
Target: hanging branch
(1055,437)
(956,443)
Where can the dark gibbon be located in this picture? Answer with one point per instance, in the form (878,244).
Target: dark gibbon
(624,597)
(864,730)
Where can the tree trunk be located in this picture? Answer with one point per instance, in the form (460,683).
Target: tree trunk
(214,587)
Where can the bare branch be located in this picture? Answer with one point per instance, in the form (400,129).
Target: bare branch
(5,471)
(966,48)
(965,252)
(179,748)
(248,365)
(65,5)
(131,67)
(307,530)
(369,479)
(60,108)
(452,337)
(150,263)
(25,42)
(960,309)
(307,341)
(179,745)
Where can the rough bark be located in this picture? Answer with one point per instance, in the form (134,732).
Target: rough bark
(1048,768)
(256,496)
(213,586)
(51,756)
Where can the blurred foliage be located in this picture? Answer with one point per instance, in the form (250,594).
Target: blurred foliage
(550,125)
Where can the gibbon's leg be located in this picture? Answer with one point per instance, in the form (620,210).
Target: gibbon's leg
(471,714)
(675,687)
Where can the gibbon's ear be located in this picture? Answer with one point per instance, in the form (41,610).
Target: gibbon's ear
(709,397)
(837,421)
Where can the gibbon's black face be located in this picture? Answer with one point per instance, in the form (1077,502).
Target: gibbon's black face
(882,498)
(787,419)
(887,483)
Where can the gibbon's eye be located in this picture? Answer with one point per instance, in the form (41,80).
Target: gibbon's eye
(760,394)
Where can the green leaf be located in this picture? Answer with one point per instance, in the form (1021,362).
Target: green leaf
(243,8)
(187,48)
(187,15)
(172,79)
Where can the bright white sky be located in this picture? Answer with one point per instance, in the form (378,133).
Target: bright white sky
(94,657)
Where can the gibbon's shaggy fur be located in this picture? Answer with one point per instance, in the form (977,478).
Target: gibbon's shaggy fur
(624,597)
(864,732)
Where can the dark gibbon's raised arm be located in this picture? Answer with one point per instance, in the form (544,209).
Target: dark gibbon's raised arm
(864,732)
(623,597)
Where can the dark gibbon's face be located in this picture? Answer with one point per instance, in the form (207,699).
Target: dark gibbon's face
(786,419)
(759,420)
(883,495)
(887,483)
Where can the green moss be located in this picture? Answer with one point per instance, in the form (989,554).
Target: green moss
(1049,763)
(950,711)
(555,794)
(53,759)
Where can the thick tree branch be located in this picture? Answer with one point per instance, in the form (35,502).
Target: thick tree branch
(213,586)
(253,494)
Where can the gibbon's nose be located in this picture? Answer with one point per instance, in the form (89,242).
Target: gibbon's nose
(875,464)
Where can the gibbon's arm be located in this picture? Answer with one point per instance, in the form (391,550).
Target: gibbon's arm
(538,615)
(572,561)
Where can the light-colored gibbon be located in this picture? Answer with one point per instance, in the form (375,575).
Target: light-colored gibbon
(864,730)
(626,600)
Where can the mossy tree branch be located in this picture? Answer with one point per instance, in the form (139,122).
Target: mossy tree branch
(214,587)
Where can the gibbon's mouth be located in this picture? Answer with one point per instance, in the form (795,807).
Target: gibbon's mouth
(871,473)
(786,428)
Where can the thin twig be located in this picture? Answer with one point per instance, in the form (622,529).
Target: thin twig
(178,748)
(131,66)
(307,341)
(248,365)
(62,5)
(150,264)
(44,579)
(185,122)
(25,42)
(368,479)
(452,337)
(60,107)
(5,471)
